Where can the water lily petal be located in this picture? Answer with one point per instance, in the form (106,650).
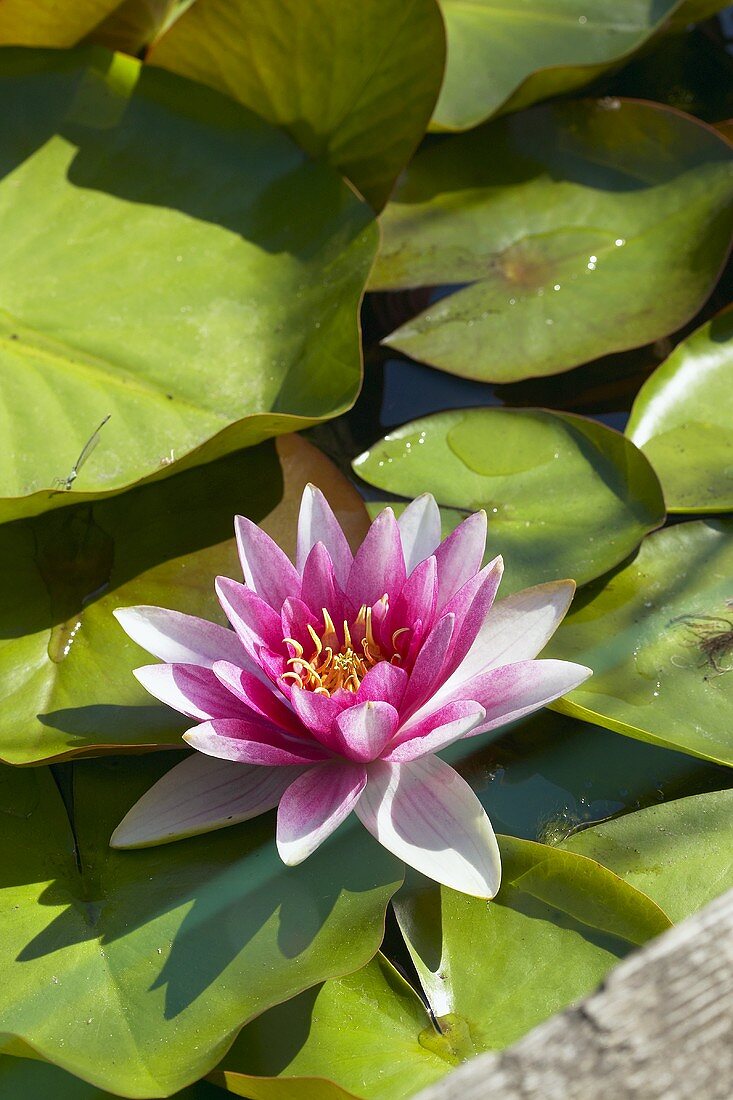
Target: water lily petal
(192,689)
(258,697)
(267,570)
(517,629)
(177,638)
(459,557)
(379,566)
(425,814)
(199,795)
(417,600)
(471,605)
(420,530)
(251,742)
(441,729)
(366,728)
(428,666)
(320,588)
(511,692)
(385,682)
(319,712)
(314,806)
(254,620)
(317,523)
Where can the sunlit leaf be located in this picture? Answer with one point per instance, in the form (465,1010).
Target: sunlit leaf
(135,970)
(171,261)
(65,663)
(493,970)
(50,23)
(683,420)
(580,229)
(354,83)
(658,635)
(679,853)
(133,24)
(518,465)
(358,1036)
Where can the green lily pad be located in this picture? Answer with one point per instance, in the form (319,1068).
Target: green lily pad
(355,84)
(682,420)
(580,228)
(301,1050)
(40,23)
(30,1079)
(133,25)
(172,262)
(658,635)
(135,970)
(65,663)
(505,56)
(517,464)
(493,970)
(679,853)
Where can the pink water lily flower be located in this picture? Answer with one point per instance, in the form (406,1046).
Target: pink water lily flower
(342,678)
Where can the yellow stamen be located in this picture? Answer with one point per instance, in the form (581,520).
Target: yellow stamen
(335,664)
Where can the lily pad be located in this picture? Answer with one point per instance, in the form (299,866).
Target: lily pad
(658,635)
(174,263)
(65,664)
(493,970)
(40,23)
(679,853)
(505,56)
(136,970)
(301,1050)
(580,229)
(517,464)
(682,420)
(354,83)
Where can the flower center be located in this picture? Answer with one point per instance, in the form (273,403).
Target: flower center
(335,663)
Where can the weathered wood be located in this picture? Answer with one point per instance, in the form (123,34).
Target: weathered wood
(659,1028)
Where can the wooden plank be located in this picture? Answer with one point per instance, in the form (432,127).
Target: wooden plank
(659,1028)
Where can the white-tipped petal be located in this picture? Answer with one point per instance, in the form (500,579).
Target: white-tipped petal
(180,639)
(420,530)
(317,523)
(426,815)
(199,795)
(314,806)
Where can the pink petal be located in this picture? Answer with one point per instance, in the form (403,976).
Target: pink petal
(254,620)
(267,570)
(441,729)
(319,584)
(420,530)
(425,814)
(385,682)
(319,712)
(471,605)
(516,629)
(460,557)
(258,697)
(379,566)
(317,523)
(193,690)
(511,692)
(427,669)
(417,599)
(177,638)
(366,728)
(199,795)
(251,742)
(314,806)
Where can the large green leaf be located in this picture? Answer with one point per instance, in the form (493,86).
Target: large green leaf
(683,420)
(580,228)
(506,55)
(354,83)
(358,1036)
(679,853)
(518,465)
(658,635)
(65,663)
(171,260)
(135,970)
(31,1079)
(492,970)
(49,23)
